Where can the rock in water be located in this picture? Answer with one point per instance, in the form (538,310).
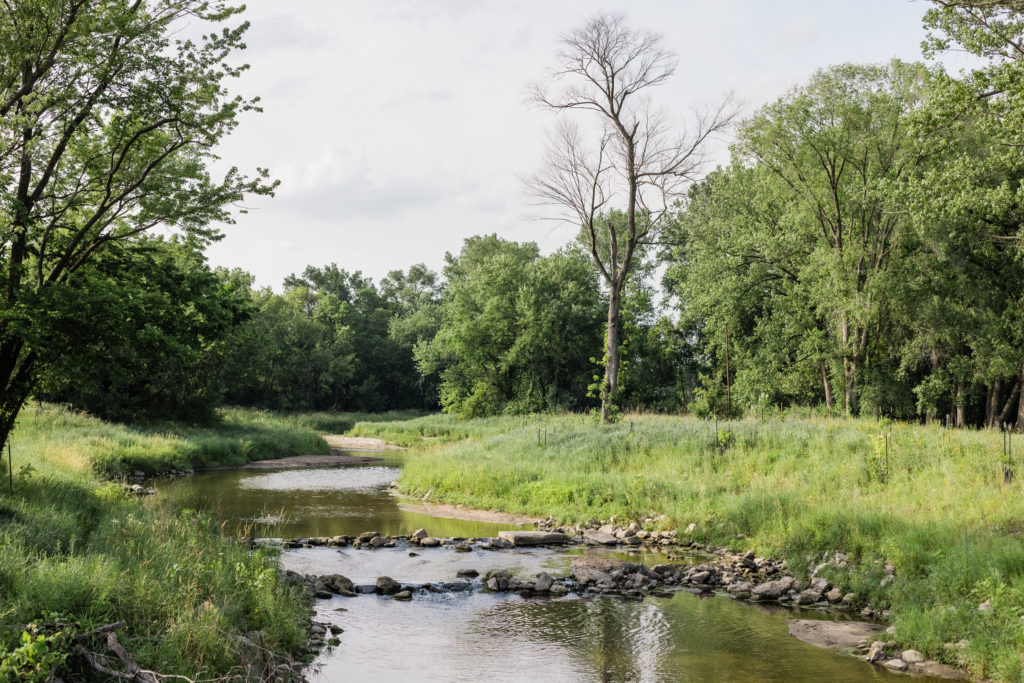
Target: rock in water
(525,538)
(597,537)
(387,586)
(543,583)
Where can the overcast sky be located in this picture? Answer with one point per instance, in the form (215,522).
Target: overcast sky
(399,128)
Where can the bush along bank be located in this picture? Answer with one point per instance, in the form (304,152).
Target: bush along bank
(89,571)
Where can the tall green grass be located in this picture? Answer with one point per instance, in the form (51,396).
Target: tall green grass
(936,510)
(56,438)
(77,553)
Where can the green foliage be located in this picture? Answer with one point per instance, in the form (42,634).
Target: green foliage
(35,658)
(334,340)
(71,545)
(515,329)
(148,326)
(109,123)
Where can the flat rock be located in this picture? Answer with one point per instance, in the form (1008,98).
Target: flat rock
(525,538)
(937,670)
(836,634)
(597,537)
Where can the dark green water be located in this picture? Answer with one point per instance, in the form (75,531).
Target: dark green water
(477,636)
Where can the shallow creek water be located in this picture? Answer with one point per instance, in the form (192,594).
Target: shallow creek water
(478,636)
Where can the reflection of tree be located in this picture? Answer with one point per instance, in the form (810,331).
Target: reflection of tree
(608,639)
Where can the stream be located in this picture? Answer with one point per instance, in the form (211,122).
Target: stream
(496,637)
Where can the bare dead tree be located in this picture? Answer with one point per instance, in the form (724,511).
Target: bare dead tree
(637,158)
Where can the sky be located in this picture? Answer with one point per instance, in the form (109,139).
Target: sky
(398,128)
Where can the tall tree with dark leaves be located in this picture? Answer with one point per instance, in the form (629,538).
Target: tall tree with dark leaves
(108,124)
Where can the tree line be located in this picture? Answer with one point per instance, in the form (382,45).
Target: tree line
(861,250)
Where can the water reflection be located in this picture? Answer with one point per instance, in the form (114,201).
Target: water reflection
(503,638)
(310,502)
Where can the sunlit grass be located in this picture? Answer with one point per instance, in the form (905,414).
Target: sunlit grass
(77,553)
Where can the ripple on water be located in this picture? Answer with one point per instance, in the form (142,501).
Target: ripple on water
(325,479)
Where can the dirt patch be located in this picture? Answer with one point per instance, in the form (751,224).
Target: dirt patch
(295,461)
(466,514)
(836,634)
(359,443)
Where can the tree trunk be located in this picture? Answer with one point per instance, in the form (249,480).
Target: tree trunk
(1020,406)
(828,387)
(992,404)
(960,406)
(1004,414)
(849,368)
(611,367)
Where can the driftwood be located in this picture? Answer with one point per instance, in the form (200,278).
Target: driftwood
(102,663)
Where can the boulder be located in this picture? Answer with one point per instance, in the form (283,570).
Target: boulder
(463,547)
(772,590)
(402,595)
(543,583)
(419,535)
(367,535)
(597,537)
(740,588)
(912,657)
(378,542)
(876,651)
(430,542)
(529,538)
(387,586)
(834,595)
(469,573)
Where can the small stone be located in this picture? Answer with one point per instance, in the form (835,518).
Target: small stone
(985,606)
(366,536)
(419,534)
(911,656)
(463,547)
(849,598)
(470,573)
(834,595)
(896,664)
(402,595)
(543,583)
(378,542)
(558,589)
(430,542)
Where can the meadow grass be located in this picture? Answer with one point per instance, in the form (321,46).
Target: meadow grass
(56,438)
(937,509)
(77,552)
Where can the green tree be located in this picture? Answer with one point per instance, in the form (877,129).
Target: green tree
(146,341)
(107,125)
(515,329)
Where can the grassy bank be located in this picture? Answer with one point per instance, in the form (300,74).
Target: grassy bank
(56,438)
(77,553)
(937,510)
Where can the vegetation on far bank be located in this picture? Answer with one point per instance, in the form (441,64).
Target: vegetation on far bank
(936,509)
(77,553)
